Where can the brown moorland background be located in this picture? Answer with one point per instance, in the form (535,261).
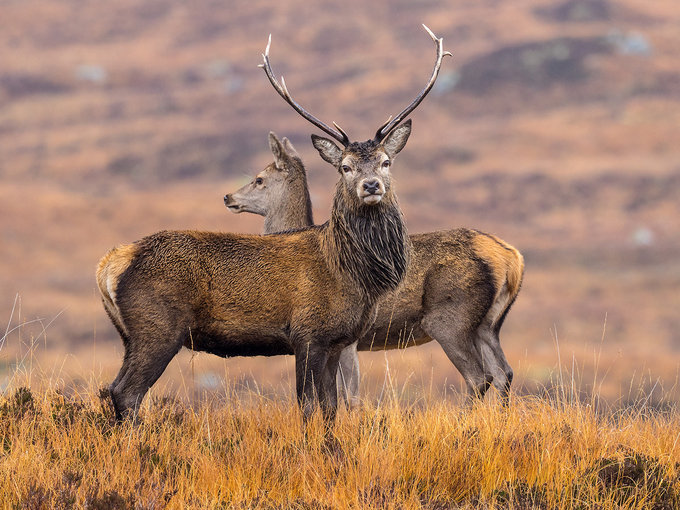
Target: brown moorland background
(554,126)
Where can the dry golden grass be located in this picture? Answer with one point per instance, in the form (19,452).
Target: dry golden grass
(229,450)
(582,176)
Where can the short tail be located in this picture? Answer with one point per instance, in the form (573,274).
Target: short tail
(515,271)
(507,265)
(109,270)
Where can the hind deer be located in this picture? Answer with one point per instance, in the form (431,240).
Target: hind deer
(458,289)
(309,293)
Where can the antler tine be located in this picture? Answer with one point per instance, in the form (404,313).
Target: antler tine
(384,123)
(385,129)
(342,132)
(281,88)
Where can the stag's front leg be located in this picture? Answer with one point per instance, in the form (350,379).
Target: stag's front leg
(310,363)
(329,396)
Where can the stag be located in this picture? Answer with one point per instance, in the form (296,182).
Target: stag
(458,289)
(309,293)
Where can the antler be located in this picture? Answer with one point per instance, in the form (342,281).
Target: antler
(281,88)
(390,124)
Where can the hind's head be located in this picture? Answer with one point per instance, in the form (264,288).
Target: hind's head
(271,187)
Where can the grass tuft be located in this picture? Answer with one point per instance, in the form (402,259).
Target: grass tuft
(63,451)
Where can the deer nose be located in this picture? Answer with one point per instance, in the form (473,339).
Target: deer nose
(371,186)
(227,199)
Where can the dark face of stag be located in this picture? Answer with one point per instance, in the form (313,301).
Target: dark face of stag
(365,166)
(367,225)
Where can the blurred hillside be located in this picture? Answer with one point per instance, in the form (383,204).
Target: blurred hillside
(554,126)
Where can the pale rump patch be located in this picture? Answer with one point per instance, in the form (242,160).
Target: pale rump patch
(507,267)
(110,267)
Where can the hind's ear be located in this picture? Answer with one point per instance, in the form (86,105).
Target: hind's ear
(290,150)
(279,152)
(328,150)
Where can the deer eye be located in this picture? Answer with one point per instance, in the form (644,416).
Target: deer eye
(386,163)
(258,181)
(346,168)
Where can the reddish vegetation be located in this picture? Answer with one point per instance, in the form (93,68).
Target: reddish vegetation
(553,127)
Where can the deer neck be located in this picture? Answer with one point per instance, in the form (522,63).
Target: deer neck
(294,212)
(368,244)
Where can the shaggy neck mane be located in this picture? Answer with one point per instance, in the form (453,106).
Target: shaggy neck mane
(369,244)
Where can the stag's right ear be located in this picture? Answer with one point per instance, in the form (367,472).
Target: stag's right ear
(328,150)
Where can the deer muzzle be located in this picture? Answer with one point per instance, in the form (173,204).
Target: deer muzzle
(231,204)
(371,191)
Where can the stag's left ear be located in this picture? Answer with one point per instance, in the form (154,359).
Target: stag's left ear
(396,140)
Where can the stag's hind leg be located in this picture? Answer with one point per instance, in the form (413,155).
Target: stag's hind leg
(146,357)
